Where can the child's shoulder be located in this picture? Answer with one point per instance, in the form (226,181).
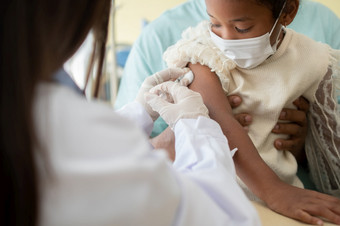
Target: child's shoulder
(311,56)
(302,41)
(195,47)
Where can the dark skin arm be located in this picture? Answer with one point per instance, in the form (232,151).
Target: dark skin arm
(300,204)
(247,159)
(296,128)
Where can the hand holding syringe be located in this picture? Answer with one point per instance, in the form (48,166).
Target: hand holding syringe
(184,80)
(169,74)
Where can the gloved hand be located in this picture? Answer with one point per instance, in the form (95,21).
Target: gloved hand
(186,103)
(155,79)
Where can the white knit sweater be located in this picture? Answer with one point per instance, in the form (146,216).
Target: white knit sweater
(296,69)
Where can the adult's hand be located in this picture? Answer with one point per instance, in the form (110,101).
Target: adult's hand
(185,103)
(296,128)
(168,74)
(244,119)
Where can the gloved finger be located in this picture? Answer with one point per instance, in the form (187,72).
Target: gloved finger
(168,74)
(186,79)
(156,102)
(176,90)
(163,90)
(166,96)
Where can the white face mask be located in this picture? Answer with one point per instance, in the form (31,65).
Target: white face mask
(251,52)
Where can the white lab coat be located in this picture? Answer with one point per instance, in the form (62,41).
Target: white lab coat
(101,169)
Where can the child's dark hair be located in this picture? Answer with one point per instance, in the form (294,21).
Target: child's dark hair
(274,5)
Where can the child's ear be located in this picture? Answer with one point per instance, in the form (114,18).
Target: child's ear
(289,12)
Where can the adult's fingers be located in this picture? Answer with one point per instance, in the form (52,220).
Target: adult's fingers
(156,102)
(302,104)
(293,115)
(244,119)
(168,75)
(186,80)
(175,90)
(290,145)
(234,101)
(288,128)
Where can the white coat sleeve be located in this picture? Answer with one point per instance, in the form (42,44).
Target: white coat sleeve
(206,169)
(102,170)
(135,112)
(207,177)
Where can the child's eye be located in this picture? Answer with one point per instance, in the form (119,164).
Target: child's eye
(215,25)
(242,30)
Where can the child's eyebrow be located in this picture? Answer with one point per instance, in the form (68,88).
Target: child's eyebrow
(241,19)
(210,14)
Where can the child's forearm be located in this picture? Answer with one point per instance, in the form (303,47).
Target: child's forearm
(250,167)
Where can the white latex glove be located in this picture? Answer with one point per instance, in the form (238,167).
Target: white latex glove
(186,103)
(155,79)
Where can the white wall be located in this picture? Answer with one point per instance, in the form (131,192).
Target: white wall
(129,14)
(332,4)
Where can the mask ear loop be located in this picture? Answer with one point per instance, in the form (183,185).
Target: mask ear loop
(281,29)
(277,20)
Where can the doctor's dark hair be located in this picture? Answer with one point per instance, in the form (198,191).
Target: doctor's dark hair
(37,37)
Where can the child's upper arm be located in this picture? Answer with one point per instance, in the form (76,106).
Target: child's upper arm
(209,86)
